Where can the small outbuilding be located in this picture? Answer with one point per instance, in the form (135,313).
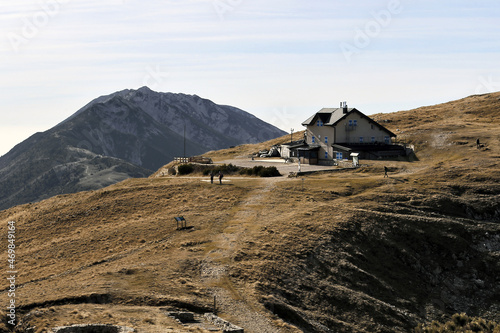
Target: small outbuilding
(355,159)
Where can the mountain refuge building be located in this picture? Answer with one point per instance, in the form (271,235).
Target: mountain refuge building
(334,134)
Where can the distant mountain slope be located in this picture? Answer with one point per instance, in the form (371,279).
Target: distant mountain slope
(126,134)
(208,125)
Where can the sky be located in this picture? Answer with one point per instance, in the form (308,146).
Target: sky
(281,60)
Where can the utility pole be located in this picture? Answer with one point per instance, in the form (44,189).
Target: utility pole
(184,140)
(291,135)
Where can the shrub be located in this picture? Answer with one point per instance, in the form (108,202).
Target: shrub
(226,169)
(229,169)
(269,172)
(185,169)
(261,171)
(256,170)
(460,319)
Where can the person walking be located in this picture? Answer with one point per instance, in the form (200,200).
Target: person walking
(478,144)
(212,174)
(385,172)
(220,177)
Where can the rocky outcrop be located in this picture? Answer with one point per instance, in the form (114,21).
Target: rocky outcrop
(224,325)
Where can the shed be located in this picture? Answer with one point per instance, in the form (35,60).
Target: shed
(308,155)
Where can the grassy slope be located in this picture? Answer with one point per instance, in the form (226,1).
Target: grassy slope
(350,251)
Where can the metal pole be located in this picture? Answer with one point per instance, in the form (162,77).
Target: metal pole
(184,140)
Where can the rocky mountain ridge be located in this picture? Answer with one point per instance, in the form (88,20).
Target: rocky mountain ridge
(135,131)
(209,125)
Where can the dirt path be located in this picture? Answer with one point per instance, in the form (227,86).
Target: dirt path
(216,267)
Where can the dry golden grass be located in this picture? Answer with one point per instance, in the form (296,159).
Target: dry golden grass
(277,253)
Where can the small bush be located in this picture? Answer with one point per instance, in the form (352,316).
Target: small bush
(460,319)
(185,169)
(269,172)
(226,169)
(229,169)
(261,171)
(256,170)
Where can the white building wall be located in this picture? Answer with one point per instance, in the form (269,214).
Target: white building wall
(322,136)
(355,127)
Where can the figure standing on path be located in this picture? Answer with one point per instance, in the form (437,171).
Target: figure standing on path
(220,177)
(385,172)
(212,177)
(299,165)
(478,144)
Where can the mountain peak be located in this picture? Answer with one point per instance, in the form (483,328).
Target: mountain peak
(141,129)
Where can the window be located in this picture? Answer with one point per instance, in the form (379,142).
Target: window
(372,126)
(373,139)
(313,139)
(360,139)
(326,139)
(338,156)
(326,155)
(319,123)
(350,122)
(354,122)
(387,140)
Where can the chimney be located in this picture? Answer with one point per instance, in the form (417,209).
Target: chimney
(344,107)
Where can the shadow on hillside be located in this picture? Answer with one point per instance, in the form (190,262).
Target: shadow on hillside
(412,157)
(398,180)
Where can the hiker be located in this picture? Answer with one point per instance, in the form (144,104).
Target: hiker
(478,144)
(212,174)
(220,177)
(385,172)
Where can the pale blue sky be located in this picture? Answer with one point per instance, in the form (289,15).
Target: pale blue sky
(280,60)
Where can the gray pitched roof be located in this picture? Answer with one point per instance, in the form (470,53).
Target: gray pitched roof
(329,116)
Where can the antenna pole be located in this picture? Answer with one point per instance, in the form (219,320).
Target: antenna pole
(184,140)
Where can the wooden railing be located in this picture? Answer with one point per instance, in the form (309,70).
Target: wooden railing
(194,159)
